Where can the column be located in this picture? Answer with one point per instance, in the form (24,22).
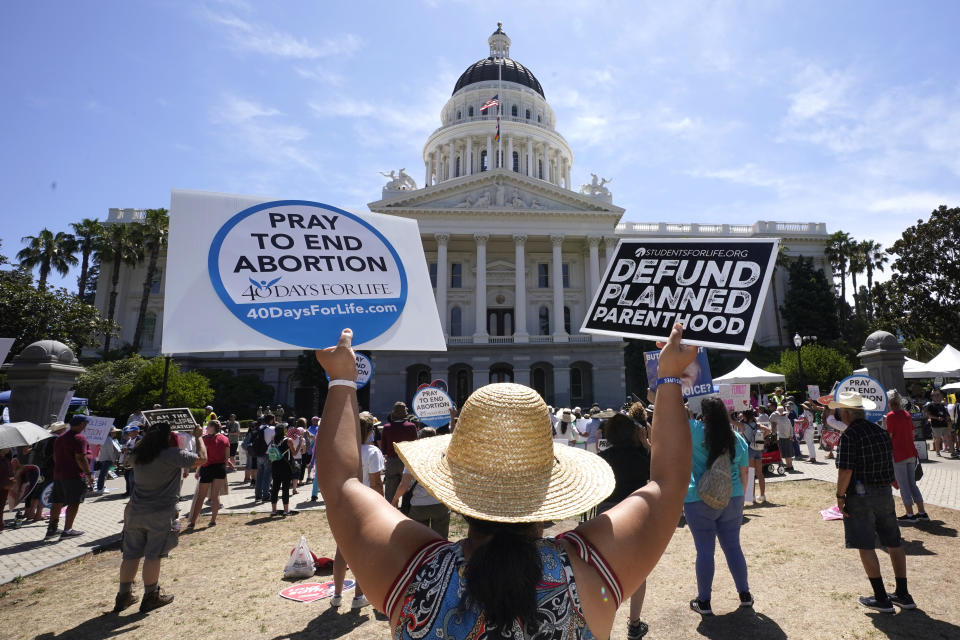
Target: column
(520,285)
(451,172)
(480,302)
(508,161)
(468,169)
(426,170)
(594,267)
(436,165)
(442,280)
(530,171)
(546,163)
(566,165)
(490,159)
(559,332)
(610,244)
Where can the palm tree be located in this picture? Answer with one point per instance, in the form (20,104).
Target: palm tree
(876,258)
(154,234)
(838,253)
(120,244)
(857,264)
(48,251)
(87,233)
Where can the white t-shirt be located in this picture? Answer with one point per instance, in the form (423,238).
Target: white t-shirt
(782,424)
(421,497)
(372,460)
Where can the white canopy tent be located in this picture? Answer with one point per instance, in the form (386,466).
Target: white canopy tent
(947,362)
(913,369)
(748,373)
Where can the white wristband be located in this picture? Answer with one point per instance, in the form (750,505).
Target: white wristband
(342,383)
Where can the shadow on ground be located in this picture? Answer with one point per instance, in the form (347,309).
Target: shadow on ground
(332,623)
(742,623)
(913,624)
(106,625)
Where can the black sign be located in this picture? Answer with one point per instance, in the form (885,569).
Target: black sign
(178,419)
(715,287)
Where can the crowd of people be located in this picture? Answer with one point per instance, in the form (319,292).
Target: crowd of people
(504,463)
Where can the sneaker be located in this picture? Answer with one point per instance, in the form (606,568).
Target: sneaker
(636,630)
(155,600)
(907,518)
(70,533)
(51,533)
(883,606)
(701,606)
(746,599)
(359,602)
(123,601)
(761,499)
(904,602)
(336,601)
(923,516)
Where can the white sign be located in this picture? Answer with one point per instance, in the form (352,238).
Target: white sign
(813,391)
(97,430)
(5,344)
(432,406)
(66,405)
(868,388)
(736,397)
(292,274)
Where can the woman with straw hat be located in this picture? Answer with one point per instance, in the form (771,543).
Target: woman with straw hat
(502,471)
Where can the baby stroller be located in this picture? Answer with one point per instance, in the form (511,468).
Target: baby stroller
(770,459)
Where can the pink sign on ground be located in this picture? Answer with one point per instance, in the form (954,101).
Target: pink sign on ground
(310,591)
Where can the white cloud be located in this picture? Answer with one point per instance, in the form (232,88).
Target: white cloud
(915,203)
(820,92)
(246,36)
(749,174)
(262,133)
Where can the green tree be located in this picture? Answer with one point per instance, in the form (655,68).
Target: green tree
(48,250)
(120,245)
(876,258)
(153,232)
(837,250)
(239,394)
(120,387)
(921,298)
(87,234)
(810,307)
(822,366)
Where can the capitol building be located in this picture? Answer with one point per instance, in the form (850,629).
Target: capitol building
(515,250)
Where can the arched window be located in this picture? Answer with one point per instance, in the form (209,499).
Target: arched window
(566,319)
(470,111)
(458,115)
(540,381)
(516,161)
(576,384)
(149,328)
(483,160)
(513,111)
(501,372)
(528,114)
(423,377)
(544,321)
(462,387)
(540,169)
(457,174)
(456,328)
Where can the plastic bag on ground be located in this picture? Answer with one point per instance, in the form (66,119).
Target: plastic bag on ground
(301,562)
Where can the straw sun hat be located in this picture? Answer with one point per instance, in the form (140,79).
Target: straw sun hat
(501,463)
(852,400)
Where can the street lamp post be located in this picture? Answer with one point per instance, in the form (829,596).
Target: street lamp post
(798,342)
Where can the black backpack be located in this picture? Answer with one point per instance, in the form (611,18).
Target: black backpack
(259,443)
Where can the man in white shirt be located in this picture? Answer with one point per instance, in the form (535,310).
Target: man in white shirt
(781,422)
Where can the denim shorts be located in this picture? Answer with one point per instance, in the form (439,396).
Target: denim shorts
(871,517)
(756,454)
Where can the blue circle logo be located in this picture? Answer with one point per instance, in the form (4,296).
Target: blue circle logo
(299,272)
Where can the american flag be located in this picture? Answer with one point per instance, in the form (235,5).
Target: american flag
(492,102)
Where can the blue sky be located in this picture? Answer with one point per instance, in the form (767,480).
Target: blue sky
(845,113)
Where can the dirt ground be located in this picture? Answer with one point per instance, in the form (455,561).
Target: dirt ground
(226,582)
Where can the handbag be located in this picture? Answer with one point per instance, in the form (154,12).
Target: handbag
(918,472)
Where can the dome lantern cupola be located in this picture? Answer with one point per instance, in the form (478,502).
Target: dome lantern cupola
(499,43)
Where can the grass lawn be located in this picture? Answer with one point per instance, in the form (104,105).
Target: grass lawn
(226,581)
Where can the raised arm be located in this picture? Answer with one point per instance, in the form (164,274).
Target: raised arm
(376,539)
(633,534)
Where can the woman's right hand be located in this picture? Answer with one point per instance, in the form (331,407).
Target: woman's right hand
(339,362)
(675,357)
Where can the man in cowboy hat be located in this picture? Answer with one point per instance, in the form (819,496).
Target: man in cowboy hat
(865,471)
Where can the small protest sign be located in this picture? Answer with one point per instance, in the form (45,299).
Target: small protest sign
(364,370)
(179,419)
(62,413)
(293,274)
(97,430)
(813,391)
(311,591)
(696,378)
(432,406)
(715,287)
(868,388)
(736,397)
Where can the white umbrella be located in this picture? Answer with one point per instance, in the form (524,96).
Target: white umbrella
(21,434)
(951,387)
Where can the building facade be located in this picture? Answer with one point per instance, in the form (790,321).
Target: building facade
(515,254)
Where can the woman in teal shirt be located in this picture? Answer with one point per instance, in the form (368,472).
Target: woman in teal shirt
(712,438)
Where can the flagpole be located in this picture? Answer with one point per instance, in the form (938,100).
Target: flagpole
(499,109)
